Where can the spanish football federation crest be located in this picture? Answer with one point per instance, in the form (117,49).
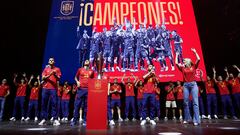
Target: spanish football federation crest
(67,7)
(98,85)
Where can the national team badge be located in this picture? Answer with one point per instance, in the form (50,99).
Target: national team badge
(98,85)
(67,7)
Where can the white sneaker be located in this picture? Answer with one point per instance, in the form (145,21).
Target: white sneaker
(215,116)
(204,117)
(143,122)
(185,122)
(22,119)
(80,120)
(63,119)
(27,119)
(165,118)
(166,68)
(51,119)
(152,122)
(180,118)
(117,68)
(174,118)
(120,119)
(156,118)
(42,122)
(66,119)
(173,68)
(195,124)
(209,117)
(56,123)
(36,119)
(148,119)
(13,119)
(141,118)
(111,123)
(72,119)
(112,69)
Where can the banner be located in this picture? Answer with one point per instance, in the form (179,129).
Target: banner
(129,33)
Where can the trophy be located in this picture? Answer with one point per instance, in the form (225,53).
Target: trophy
(99,65)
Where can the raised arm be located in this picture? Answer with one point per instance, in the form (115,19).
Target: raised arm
(25,77)
(38,80)
(14,79)
(236,67)
(123,78)
(197,56)
(227,77)
(30,80)
(214,74)
(176,60)
(135,78)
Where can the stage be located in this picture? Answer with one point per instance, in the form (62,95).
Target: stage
(208,127)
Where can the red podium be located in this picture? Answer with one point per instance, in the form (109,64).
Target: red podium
(97,104)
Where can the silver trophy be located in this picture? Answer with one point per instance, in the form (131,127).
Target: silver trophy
(99,64)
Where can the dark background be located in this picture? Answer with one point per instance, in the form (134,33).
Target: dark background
(24,27)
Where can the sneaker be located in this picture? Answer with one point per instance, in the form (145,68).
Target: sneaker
(73,123)
(156,119)
(42,122)
(112,69)
(165,118)
(174,118)
(180,118)
(84,123)
(134,119)
(225,117)
(120,120)
(63,119)
(143,122)
(148,119)
(234,117)
(185,122)
(27,119)
(173,68)
(66,119)
(152,122)
(209,117)
(105,70)
(126,119)
(204,117)
(135,70)
(140,118)
(51,119)
(166,68)
(195,124)
(22,119)
(111,123)
(80,120)
(72,120)
(56,123)
(215,116)
(13,119)
(123,70)
(117,68)
(36,119)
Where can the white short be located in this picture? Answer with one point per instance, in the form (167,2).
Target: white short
(171,103)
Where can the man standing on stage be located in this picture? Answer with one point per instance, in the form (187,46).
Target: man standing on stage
(50,76)
(4,92)
(149,95)
(81,78)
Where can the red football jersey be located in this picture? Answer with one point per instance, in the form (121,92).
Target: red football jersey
(170,95)
(223,89)
(149,86)
(235,85)
(83,75)
(51,82)
(66,93)
(140,92)
(189,73)
(179,90)
(21,90)
(34,93)
(116,87)
(129,87)
(209,85)
(3,90)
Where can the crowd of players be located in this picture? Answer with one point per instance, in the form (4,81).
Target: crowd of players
(133,97)
(127,46)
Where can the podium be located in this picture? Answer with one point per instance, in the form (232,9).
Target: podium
(97,104)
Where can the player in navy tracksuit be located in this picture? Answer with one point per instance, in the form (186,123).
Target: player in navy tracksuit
(167,48)
(94,48)
(107,43)
(152,37)
(83,46)
(177,45)
(160,52)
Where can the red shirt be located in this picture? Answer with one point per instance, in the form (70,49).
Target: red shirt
(209,85)
(117,87)
(189,73)
(170,95)
(59,91)
(223,89)
(157,90)
(235,85)
(3,90)
(149,86)
(66,93)
(140,92)
(179,90)
(51,82)
(129,87)
(21,90)
(83,76)
(34,93)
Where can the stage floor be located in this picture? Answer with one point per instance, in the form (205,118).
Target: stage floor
(208,127)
